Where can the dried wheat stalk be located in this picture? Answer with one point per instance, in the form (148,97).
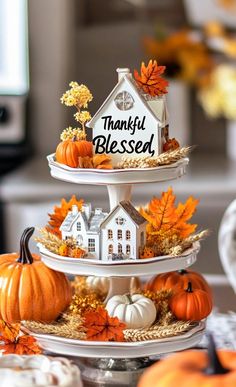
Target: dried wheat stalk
(165,158)
(70,327)
(187,243)
(49,240)
(157,331)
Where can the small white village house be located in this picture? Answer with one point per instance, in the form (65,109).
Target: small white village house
(120,233)
(129,123)
(123,231)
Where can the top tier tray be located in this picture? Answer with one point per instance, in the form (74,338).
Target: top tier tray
(116,176)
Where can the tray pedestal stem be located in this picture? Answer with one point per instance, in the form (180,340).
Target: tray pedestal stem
(118,285)
(117,193)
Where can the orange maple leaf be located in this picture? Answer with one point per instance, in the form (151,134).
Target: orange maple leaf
(164,217)
(101,327)
(13,342)
(150,80)
(60,212)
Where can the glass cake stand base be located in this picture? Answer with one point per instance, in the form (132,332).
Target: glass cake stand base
(112,372)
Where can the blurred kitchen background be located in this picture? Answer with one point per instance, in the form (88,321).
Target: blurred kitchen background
(46,44)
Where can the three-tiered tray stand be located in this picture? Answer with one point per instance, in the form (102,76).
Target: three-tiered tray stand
(119,184)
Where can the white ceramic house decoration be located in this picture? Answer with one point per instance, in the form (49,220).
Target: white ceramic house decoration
(123,232)
(129,123)
(117,235)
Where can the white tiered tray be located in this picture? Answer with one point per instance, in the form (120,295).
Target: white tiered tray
(127,268)
(116,350)
(116,176)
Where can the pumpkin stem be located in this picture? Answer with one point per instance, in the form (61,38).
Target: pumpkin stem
(182,271)
(214,367)
(74,138)
(129,298)
(189,288)
(25,254)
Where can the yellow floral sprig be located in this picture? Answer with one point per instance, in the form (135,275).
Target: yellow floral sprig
(70,133)
(78,96)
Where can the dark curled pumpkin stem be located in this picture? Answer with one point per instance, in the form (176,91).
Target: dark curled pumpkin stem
(214,366)
(182,271)
(189,288)
(25,254)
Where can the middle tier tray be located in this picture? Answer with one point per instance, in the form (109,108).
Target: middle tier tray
(126,268)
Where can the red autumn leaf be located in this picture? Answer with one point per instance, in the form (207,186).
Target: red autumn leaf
(150,80)
(12,342)
(101,327)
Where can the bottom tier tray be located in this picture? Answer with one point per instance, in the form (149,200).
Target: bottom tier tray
(98,349)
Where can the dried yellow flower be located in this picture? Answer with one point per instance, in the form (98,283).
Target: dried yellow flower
(77,95)
(69,133)
(81,304)
(82,116)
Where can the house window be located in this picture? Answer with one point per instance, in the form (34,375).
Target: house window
(128,235)
(119,234)
(110,249)
(120,220)
(142,238)
(119,248)
(78,227)
(110,234)
(128,249)
(91,245)
(124,100)
(79,240)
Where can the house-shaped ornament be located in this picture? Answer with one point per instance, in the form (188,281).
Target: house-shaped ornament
(118,235)
(129,123)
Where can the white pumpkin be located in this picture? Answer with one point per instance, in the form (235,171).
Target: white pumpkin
(38,370)
(136,311)
(98,284)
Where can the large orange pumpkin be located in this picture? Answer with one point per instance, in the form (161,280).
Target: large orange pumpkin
(193,369)
(178,278)
(69,151)
(29,290)
(190,304)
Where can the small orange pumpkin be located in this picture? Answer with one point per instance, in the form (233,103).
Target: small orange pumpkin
(85,148)
(67,153)
(29,290)
(170,145)
(193,369)
(190,304)
(178,278)
(147,252)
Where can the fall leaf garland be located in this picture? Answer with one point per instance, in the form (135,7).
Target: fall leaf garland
(101,327)
(14,342)
(150,80)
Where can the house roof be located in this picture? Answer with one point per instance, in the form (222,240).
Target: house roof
(92,224)
(130,210)
(130,81)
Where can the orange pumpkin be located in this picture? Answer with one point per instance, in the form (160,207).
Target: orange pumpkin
(67,153)
(170,145)
(178,278)
(190,304)
(147,252)
(193,369)
(29,290)
(85,148)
